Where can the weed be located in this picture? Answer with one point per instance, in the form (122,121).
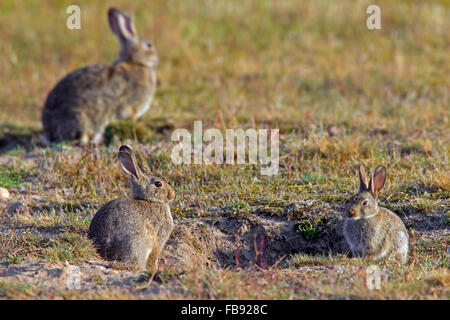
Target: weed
(309,231)
(12,177)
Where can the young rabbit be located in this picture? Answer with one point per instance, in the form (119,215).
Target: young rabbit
(134,230)
(84,102)
(372,231)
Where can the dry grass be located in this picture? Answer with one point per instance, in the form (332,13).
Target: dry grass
(340,94)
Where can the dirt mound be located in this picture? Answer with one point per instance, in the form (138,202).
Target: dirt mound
(244,240)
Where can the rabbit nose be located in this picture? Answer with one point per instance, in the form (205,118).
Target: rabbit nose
(353,212)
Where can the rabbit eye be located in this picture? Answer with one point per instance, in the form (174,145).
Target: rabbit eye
(365,202)
(148,45)
(158,184)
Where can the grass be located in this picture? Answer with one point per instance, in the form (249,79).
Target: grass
(308,231)
(340,94)
(12,177)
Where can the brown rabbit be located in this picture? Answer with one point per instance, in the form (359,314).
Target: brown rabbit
(372,231)
(134,230)
(84,102)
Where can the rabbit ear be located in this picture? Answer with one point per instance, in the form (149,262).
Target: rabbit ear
(122,25)
(378,179)
(363,184)
(128,162)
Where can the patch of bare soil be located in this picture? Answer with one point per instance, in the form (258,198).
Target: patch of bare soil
(244,240)
(99,279)
(92,275)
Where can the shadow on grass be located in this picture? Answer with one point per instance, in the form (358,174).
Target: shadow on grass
(14,136)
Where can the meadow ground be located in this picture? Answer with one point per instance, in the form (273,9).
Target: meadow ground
(340,95)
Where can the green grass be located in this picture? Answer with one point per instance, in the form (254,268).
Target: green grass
(10,176)
(308,231)
(340,94)
(69,247)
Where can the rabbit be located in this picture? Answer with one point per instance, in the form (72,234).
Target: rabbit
(84,102)
(133,230)
(370,230)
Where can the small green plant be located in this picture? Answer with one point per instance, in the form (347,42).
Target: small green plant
(12,177)
(446,219)
(309,231)
(11,259)
(127,130)
(312,178)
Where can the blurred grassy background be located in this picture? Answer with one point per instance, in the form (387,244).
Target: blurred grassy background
(236,63)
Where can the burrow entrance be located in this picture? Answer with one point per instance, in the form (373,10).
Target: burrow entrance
(244,240)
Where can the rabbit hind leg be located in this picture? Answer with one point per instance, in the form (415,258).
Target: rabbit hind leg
(98,136)
(402,245)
